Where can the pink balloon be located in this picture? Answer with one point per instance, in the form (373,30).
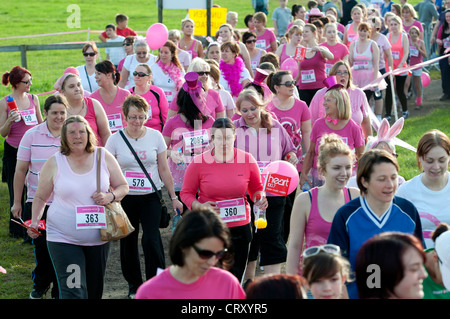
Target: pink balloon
(157,35)
(425,79)
(283,168)
(290,65)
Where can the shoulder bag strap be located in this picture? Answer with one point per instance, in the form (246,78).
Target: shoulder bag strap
(141,165)
(99,151)
(89,81)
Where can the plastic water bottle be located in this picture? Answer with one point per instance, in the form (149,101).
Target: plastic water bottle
(175,220)
(260,215)
(13,106)
(306,187)
(181,165)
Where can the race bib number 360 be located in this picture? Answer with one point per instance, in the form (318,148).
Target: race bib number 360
(232,210)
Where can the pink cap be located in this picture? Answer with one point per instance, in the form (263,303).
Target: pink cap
(260,76)
(332,83)
(315,12)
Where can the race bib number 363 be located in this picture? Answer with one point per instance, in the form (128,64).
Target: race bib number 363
(90,217)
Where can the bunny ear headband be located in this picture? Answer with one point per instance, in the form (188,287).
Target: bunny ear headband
(387,133)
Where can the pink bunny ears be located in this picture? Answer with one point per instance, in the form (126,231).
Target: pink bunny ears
(388,134)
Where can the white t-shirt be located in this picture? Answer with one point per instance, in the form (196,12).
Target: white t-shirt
(185,58)
(88,82)
(433,206)
(117,53)
(147,148)
(130,64)
(244,75)
(165,82)
(227,100)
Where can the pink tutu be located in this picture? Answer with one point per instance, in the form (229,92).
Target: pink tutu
(362,78)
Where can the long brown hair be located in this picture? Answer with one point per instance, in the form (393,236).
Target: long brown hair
(252,97)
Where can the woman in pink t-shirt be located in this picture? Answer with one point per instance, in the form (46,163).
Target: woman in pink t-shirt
(312,69)
(265,38)
(20,79)
(154,95)
(199,251)
(109,95)
(339,50)
(220,179)
(314,210)
(337,120)
(409,16)
(87,107)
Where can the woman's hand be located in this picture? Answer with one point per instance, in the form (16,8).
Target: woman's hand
(177,205)
(210,205)
(262,203)
(13,116)
(103,198)
(33,231)
(177,158)
(291,158)
(304,179)
(16,210)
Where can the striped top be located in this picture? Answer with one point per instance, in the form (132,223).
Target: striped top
(36,146)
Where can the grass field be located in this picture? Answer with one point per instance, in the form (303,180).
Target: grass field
(39,17)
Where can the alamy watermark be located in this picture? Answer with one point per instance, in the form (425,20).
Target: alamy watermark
(74,20)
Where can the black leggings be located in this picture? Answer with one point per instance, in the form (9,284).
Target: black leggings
(399,82)
(144,210)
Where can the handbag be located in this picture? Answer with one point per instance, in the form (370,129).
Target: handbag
(165,215)
(117,223)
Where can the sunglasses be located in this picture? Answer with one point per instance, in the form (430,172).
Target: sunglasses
(314,250)
(207,254)
(202,73)
(89,54)
(288,83)
(127,44)
(140,74)
(250,41)
(27,82)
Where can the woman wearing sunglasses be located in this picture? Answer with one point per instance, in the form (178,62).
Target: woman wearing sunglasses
(222,177)
(21,81)
(249,38)
(142,55)
(295,117)
(87,71)
(129,50)
(377,209)
(359,104)
(109,94)
(313,211)
(326,271)
(199,251)
(214,105)
(154,95)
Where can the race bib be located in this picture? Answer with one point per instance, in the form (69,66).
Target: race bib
(196,139)
(328,68)
(261,44)
(29,117)
(308,76)
(90,217)
(115,122)
(169,96)
(232,210)
(361,65)
(396,55)
(138,182)
(413,51)
(446,42)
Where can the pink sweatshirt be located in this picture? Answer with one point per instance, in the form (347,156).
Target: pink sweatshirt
(217,181)
(215,284)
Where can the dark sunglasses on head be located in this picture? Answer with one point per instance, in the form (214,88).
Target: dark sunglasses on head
(207,254)
(250,41)
(202,73)
(140,74)
(89,53)
(288,83)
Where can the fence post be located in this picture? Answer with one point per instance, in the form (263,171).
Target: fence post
(23,56)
